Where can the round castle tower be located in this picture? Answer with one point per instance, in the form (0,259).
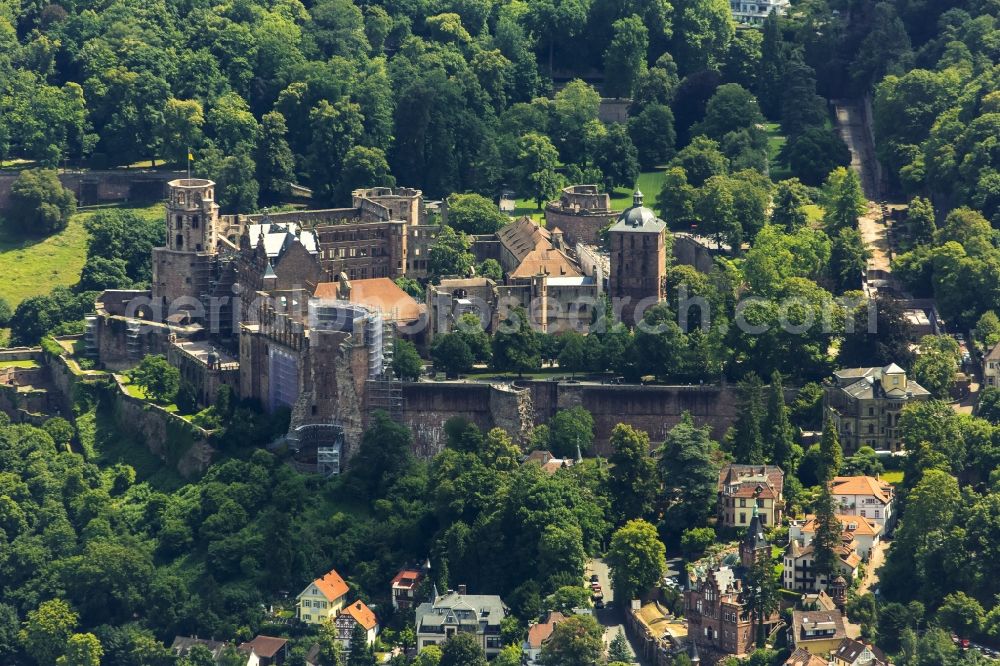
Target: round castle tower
(192,215)
(183,267)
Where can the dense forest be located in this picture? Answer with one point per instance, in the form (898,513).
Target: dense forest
(445,96)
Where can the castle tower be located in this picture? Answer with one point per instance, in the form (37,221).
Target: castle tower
(183,268)
(192,215)
(638,260)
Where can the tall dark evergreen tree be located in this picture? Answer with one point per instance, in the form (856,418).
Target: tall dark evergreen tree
(778,433)
(762,592)
(361,653)
(832,454)
(827,540)
(747,443)
(771,68)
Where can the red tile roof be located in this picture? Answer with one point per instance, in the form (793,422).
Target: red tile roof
(863,485)
(539,633)
(361,614)
(380,293)
(407,578)
(331,585)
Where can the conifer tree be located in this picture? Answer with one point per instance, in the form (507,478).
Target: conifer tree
(779,438)
(747,442)
(832,455)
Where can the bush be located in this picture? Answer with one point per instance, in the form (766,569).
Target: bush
(6,312)
(39,204)
(694,541)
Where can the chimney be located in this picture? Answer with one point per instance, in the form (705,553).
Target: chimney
(461,590)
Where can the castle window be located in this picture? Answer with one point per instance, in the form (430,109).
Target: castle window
(195,222)
(180,241)
(178,221)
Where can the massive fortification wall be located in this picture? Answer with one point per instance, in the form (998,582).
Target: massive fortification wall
(690,252)
(94,187)
(654,409)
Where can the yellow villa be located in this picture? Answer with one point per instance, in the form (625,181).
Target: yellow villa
(322,599)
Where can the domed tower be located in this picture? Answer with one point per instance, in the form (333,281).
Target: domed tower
(183,268)
(638,260)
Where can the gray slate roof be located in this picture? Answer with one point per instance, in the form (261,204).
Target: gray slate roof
(469,610)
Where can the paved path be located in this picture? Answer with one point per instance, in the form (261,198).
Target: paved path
(874,231)
(609,618)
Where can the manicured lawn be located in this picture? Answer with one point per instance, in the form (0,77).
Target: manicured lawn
(19,364)
(31,267)
(895,477)
(775,141)
(815,213)
(649,182)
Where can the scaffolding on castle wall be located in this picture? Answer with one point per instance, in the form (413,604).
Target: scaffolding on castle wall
(90,343)
(325,440)
(384,389)
(133,340)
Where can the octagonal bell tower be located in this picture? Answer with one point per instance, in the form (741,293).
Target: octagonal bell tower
(192,215)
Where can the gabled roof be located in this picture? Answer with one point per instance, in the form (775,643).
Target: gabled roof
(407,579)
(277,236)
(546,260)
(361,614)
(377,293)
(182,645)
(264,646)
(802,657)
(829,623)
(751,475)
(331,586)
(849,650)
(539,632)
(522,236)
(862,526)
(863,485)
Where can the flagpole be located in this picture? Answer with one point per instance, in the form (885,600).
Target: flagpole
(189,163)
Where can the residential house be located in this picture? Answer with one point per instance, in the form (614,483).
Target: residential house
(538,634)
(864,533)
(800,567)
(991,367)
(753,12)
(404,588)
(865,404)
(455,611)
(819,632)
(855,653)
(182,645)
(549,463)
(354,614)
(867,497)
(744,487)
(322,599)
(802,657)
(267,650)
